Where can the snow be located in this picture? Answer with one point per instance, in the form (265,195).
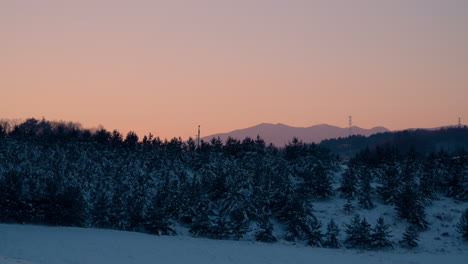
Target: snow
(443,216)
(28,244)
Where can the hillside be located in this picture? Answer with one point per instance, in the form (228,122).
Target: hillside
(422,140)
(280,134)
(27,244)
(245,191)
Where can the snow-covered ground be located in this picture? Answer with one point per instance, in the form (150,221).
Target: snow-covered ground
(27,244)
(443,216)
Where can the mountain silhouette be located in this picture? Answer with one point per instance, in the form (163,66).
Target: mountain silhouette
(280,134)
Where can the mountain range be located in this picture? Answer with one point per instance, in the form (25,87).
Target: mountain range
(280,134)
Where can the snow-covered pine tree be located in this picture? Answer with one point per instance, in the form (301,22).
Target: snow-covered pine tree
(409,206)
(457,177)
(365,189)
(358,233)
(348,187)
(321,182)
(381,234)
(265,232)
(239,223)
(390,182)
(353,231)
(314,236)
(156,220)
(301,223)
(427,181)
(348,207)
(331,236)
(462,225)
(201,224)
(158,224)
(410,237)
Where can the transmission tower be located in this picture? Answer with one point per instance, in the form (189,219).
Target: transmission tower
(350,125)
(459,123)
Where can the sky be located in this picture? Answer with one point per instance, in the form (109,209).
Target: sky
(166,67)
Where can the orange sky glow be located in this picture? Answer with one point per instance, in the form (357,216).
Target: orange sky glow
(168,66)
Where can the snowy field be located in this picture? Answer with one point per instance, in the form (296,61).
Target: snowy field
(27,244)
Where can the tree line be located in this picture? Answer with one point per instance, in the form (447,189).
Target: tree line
(58,173)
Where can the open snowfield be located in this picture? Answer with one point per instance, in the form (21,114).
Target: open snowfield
(27,244)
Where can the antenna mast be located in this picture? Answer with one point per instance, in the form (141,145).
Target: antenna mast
(350,125)
(198,137)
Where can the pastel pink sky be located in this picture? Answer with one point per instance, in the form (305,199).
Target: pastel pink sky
(167,66)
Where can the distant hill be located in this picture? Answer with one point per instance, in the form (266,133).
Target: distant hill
(425,141)
(280,134)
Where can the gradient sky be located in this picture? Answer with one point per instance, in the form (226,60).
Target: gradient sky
(166,66)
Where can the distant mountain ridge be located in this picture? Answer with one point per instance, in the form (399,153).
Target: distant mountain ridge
(280,134)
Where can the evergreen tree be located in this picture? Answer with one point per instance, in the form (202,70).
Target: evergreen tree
(201,224)
(390,183)
(348,207)
(131,139)
(381,235)
(462,225)
(301,223)
(457,176)
(358,233)
(239,223)
(331,236)
(348,187)
(101,211)
(265,233)
(321,182)
(158,223)
(314,236)
(428,183)
(409,206)
(410,237)
(365,189)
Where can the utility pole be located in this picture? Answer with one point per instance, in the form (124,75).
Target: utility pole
(350,125)
(198,137)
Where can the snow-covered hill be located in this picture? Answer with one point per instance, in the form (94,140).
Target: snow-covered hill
(28,244)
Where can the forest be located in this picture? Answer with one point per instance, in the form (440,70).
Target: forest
(60,174)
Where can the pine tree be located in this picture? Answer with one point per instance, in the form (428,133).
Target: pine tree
(365,189)
(331,236)
(348,207)
(410,237)
(158,224)
(265,234)
(409,206)
(221,228)
(239,223)
(390,184)
(201,224)
(358,233)
(462,225)
(428,181)
(314,236)
(156,221)
(381,235)
(321,182)
(301,223)
(364,196)
(348,188)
